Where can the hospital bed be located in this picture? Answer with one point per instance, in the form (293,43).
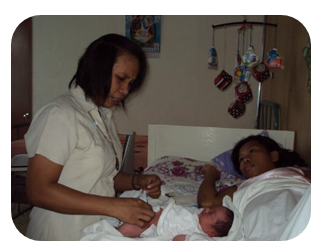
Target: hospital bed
(279,209)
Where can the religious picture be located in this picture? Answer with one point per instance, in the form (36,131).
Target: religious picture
(145,31)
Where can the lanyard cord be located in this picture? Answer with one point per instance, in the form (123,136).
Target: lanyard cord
(109,140)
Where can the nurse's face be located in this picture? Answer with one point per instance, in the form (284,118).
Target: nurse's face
(124,73)
(255,159)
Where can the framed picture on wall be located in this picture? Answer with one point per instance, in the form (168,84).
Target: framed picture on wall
(145,30)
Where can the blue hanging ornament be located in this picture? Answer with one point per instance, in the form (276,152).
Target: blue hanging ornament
(274,61)
(212,61)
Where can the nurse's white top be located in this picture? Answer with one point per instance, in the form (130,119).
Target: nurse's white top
(73,132)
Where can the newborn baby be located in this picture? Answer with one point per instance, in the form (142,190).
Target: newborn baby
(177,222)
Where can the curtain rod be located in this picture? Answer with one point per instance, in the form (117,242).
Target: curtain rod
(242,23)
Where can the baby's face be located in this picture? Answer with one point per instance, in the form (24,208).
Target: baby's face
(210,216)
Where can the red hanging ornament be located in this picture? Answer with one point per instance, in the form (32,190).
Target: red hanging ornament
(261,72)
(243,92)
(236,109)
(223,80)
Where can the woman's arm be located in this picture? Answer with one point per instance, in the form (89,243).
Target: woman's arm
(307,174)
(207,194)
(43,190)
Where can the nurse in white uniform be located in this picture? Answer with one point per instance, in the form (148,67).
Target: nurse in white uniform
(74,150)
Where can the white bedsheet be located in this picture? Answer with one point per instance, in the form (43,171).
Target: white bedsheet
(275,209)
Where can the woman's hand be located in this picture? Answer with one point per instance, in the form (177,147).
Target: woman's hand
(210,170)
(207,195)
(151,185)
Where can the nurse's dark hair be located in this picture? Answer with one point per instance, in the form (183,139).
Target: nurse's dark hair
(286,157)
(94,70)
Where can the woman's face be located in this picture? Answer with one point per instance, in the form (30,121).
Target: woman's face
(124,73)
(254,159)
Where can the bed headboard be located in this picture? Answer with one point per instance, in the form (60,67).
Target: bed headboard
(202,143)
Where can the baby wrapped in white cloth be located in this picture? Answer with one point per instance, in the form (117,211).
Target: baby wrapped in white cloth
(176,220)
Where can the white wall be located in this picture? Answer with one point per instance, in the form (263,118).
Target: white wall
(179,89)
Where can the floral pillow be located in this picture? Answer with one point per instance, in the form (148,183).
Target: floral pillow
(184,174)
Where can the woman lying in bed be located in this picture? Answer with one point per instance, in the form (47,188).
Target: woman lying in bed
(255,156)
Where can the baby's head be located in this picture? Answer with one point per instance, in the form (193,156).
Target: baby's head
(216,221)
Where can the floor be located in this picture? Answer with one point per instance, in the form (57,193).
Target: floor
(19,211)
(21,222)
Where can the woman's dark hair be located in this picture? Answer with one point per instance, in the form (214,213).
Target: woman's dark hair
(94,70)
(286,157)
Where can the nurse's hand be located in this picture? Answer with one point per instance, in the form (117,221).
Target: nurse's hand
(151,184)
(133,211)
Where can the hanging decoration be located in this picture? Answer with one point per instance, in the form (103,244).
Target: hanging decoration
(246,65)
(243,92)
(261,72)
(238,59)
(236,109)
(212,61)
(241,73)
(274,61)
(223,80)
(250,58)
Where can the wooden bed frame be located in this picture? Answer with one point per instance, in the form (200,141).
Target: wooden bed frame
(202,143)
